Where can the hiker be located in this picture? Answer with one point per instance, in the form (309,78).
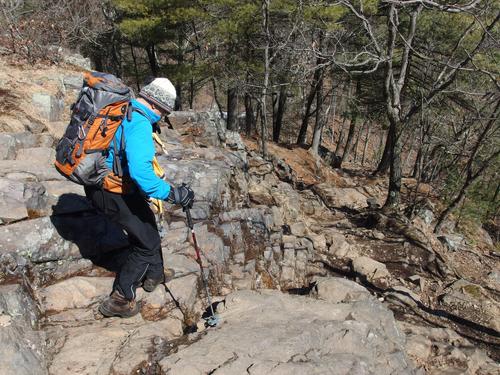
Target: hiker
(130,209)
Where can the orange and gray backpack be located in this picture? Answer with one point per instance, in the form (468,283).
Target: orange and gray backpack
(81,153)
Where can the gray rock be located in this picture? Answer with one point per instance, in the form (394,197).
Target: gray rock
(74,293)
(272,333)
(335,197)
(454,242)
(371,269)
(26,139)
(7,147)
(44,155)
(12,201)
(42,171)
(73,82)
(427,215)
(56,238)
(22,351)
(185,291)
(208,178)
(77,60)
(49,106)
(118,346)
(336,290)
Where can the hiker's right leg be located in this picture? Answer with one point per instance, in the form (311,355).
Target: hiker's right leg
(132,212)
(117,304)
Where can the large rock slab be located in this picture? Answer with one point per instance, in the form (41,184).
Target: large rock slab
(22,350)
(74,293)
(12,202)
(44,155)
(44,171)
(272,333)
(49,106)
(341,198)
(112,346)
(54,238)
(7,147)
(208,178)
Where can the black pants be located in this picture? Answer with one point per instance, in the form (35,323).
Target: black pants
(132,213)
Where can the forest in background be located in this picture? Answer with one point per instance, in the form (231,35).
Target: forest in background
(423,73)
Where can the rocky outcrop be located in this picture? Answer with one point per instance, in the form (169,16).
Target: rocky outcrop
(23,347)
(267,332)
(277,225)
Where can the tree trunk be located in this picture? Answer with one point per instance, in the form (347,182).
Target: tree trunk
(301,139)
(216,97)
(280,111)
(232,104)
(385,161)
(318,126)
(191,84)
(136,71)
(249,115)
(350,136)
(178,99)
(367,140)
(263,122)
(150,50)
(393,196)
(341,136)
(417,167)
(357,140)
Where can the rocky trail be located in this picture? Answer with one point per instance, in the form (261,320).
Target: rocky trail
(309,275)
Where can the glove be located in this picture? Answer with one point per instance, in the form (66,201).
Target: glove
(182,195)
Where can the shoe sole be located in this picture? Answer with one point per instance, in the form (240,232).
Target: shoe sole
(111,314)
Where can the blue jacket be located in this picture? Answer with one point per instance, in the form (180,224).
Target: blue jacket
(138,152)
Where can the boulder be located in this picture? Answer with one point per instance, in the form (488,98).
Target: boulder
(26,140)
(208,178)
(44,155)
(22,351)
(74,293)
(55,238)
(12,202)
(49,106)
(73,82)
(336,197)
(7,147)
(338,290)
(370,269)
(268,332)
(43,170)
(185,291)
(77,60)
(453,242)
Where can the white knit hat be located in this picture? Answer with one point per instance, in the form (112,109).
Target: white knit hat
(160,92)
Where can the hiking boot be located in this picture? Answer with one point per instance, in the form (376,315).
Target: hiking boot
(118,305)
(150,284)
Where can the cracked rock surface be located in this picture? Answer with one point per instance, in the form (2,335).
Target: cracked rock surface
(267,332)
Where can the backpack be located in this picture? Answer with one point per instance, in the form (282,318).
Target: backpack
(81,153)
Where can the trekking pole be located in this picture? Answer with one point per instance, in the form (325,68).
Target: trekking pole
(214,319)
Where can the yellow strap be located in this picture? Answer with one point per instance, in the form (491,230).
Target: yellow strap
(158,203)
(160,143)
